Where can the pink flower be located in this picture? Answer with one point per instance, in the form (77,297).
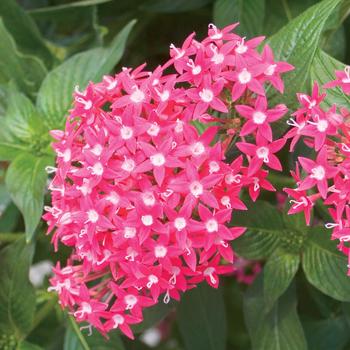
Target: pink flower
(259,117)
(262,153)
(343,80)
(318,172)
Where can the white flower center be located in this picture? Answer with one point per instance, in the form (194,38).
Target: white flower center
(92,215)
(180,223)
(97,169)
(322,125)
(113,197)
(263,153)
(196,188)
(152,279)
(241,49)
(225,200)
(117,319)
(197,149)
(244,76)
(66,155)
(157,159)
(130,301)
(153,130)
(196,70)
(148,199)
(97,150)
(259,117)
(137,96)
(179,127)
(164,96)
(206,95)
(318,172)
(212,225)
(160,251)
(218,58)
(128,165)
(214,167)
(147,220)
(126,132)
(129,232)
(270,70)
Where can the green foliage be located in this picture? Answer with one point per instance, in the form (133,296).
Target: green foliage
(55,94)
(242,11)
(17,297)
(279,328)
(202,319)
(297,43)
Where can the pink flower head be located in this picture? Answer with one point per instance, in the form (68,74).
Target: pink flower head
(325,175)
(142,199)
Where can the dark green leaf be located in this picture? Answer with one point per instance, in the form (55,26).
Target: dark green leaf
(22,120)
(63,9)
(323,70)
(279,272)
(264,226)
(331,333)
(17,297)
(55,94)
(202,320)
(324,266)
(25,70)
(297,43)
(152,316)
(242,11)
(171,6)
(24,30)
(278,329)
(25,180)
(24,345)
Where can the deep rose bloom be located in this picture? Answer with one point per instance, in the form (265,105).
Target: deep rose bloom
(141,197)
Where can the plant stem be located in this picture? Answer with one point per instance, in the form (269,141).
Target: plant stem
(287,10)
(77,331)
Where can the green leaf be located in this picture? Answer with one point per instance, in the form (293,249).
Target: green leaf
(297,43)
(323,70)
(17,297)
(331,333)
(152,316)
(24,345)
(278,329)
(172,6)
(55,94)
(63,9)
(279,272)
(25,180)
(242,11)
(25,70)
(264,226)
(202,320)
(74,339)
(9,151)
(324,266)
(22,120)
(24,30)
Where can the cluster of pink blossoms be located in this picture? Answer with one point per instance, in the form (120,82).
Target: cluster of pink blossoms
(326,174)
(140,196)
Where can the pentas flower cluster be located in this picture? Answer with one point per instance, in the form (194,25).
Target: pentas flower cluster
(325,175)
(140,196)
